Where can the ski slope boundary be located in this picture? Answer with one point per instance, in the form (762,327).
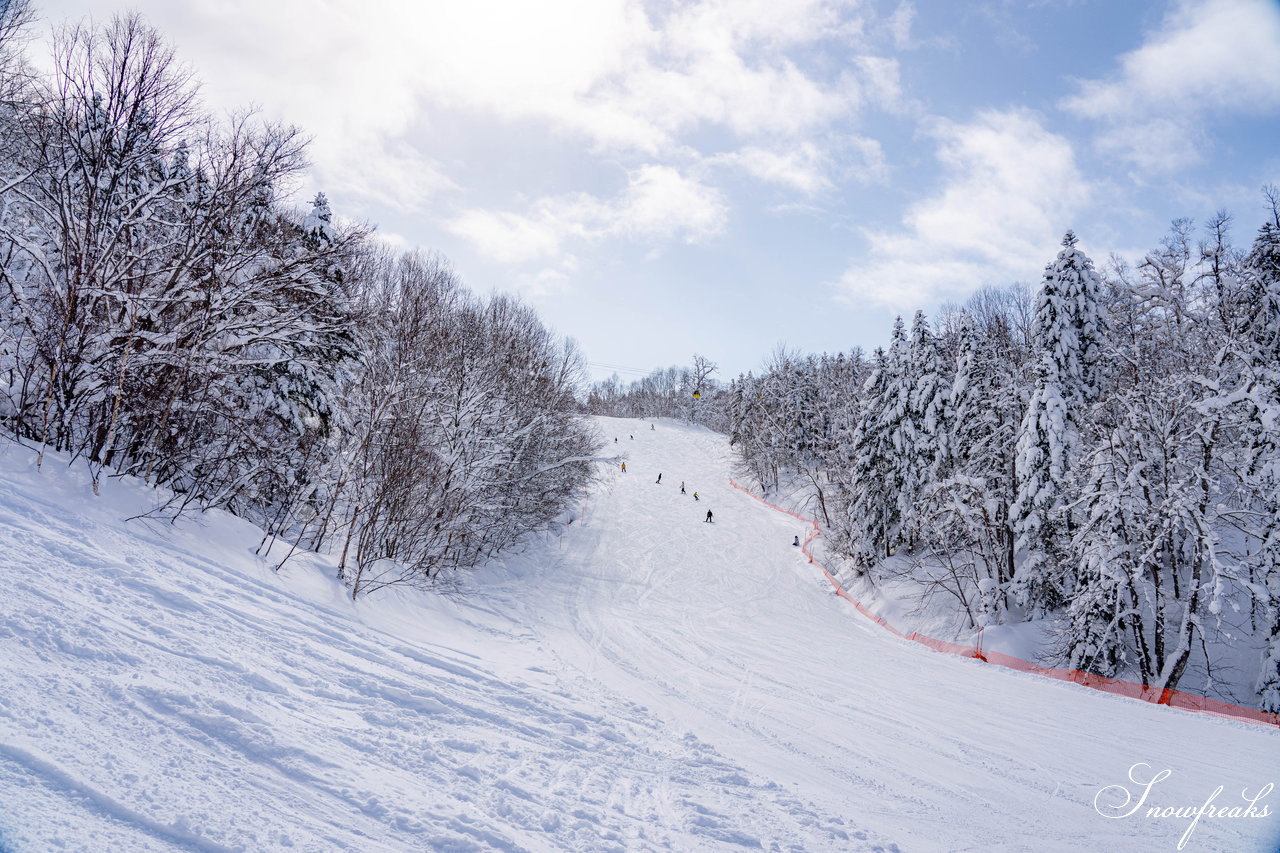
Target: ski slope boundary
(1178,699)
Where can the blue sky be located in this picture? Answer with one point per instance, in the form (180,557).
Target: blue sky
(665,178)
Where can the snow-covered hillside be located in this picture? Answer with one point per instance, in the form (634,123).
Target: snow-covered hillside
(641,681)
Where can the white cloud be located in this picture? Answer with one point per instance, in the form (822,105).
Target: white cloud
(733,65)
(388,172)
(626,76)
(343,75)
(658,204)
(545,282)
(882,81)
(1209,57)
(390,239)
(512,237)
(1010,192)
(803,168)
(899,25)
(809,167)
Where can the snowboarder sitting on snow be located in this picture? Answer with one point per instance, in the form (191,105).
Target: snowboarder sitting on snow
(708,516)
(797,542)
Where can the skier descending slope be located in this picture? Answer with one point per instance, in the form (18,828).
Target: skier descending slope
(708,516)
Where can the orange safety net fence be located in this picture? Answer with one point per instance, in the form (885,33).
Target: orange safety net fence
(1115,686)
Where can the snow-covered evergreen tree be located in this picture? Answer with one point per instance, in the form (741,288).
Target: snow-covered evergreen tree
(318,225)
(1068,337)
(1259,392)
(1039,511)
(931,403)
(883,469)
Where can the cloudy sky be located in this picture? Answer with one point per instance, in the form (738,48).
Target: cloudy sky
(664,178)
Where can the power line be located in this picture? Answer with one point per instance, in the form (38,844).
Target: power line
(621,368)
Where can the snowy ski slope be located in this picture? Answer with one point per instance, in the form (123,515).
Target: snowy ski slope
(641,681)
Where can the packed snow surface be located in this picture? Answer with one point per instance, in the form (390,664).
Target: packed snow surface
(641,680)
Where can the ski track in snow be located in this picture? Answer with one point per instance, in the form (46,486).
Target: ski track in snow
(640,681)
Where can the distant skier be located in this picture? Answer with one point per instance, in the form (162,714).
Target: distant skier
(797,542)
(624,467)
(633,438)
(659,477)
(651,426)
(695,496)
(615,439)
(708,516)
(682,491)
